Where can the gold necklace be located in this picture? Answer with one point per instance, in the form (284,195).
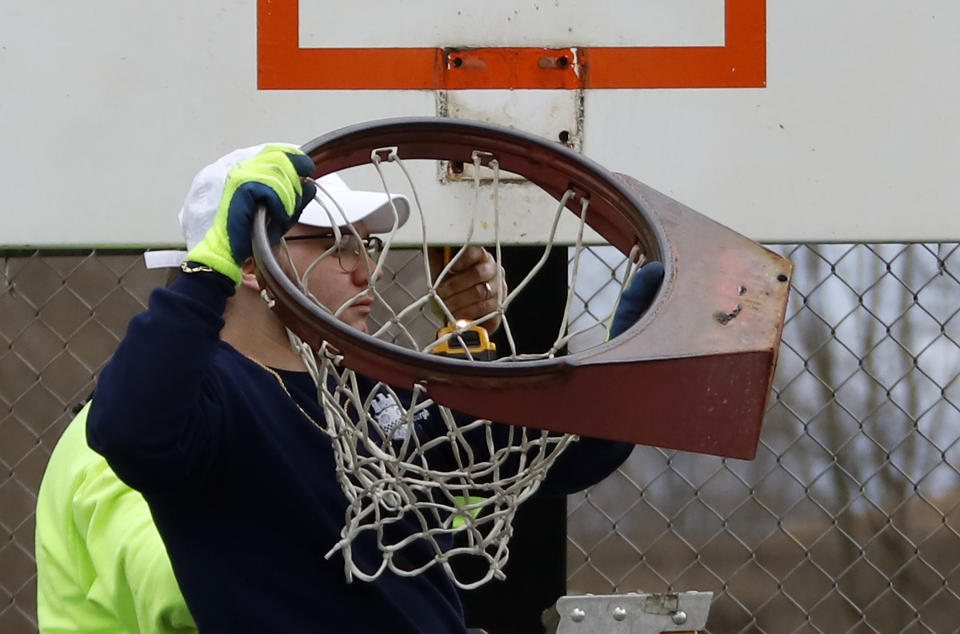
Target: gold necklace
(283,386)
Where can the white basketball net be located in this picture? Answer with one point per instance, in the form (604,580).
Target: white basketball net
(464,504)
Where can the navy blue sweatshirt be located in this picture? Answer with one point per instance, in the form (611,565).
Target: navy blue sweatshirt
(241,482)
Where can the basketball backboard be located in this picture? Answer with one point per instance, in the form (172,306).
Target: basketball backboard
(787,122)
(506,45)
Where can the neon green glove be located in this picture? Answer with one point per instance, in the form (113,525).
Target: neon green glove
(271,177)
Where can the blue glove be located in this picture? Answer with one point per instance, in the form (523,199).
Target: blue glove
(637,298)
(272,178)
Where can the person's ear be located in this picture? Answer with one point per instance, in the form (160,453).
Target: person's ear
(248,275)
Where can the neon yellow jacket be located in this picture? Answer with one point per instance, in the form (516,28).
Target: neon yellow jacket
(101,565)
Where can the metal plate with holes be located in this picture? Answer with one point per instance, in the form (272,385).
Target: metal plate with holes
(553,114)
(633,613)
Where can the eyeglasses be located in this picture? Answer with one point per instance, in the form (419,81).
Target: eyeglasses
(349,249)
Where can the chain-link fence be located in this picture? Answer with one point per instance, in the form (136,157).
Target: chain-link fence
(846,521)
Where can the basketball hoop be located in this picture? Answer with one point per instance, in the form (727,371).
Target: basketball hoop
(693,373)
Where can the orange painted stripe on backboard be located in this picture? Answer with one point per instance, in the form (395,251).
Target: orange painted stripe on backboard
(283,64)
(740,63)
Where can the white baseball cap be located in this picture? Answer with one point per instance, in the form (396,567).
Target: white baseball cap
(335,204)
(338,205)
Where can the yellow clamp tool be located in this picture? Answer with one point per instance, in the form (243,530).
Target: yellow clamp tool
(471,343)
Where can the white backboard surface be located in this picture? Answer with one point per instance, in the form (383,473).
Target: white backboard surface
(512,23)
(110,107)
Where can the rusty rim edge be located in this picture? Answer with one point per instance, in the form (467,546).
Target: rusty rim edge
(345,338)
